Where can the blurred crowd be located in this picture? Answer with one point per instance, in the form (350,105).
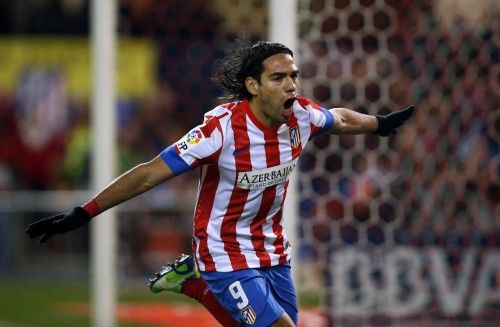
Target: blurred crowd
(434,185)
(450,157)
(186,52)
(437,181)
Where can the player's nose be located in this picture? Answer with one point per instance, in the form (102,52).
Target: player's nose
(290,85)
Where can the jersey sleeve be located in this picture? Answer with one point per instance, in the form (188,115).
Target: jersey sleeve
(320,118)
(195,148)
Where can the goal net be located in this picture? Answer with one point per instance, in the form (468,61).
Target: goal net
(402,229)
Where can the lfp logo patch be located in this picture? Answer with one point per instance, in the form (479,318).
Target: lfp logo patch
(189,140)
(194,136)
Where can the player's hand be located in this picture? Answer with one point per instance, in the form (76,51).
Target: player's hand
(58,224)
(388,124)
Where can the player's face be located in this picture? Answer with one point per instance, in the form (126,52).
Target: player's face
(274,95)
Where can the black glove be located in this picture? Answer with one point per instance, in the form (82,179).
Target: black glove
(58,224)
(387,124)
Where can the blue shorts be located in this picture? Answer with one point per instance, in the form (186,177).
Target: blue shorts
(255,297)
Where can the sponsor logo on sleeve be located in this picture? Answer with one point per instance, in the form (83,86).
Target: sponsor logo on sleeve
(194,136)
(191,139)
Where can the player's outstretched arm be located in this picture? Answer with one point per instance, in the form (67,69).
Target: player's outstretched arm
(137,180)
(348,121)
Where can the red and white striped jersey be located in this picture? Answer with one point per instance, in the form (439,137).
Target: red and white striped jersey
(244,166)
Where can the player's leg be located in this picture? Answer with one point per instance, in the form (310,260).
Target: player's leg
(281,284)
(181,276)
(248,297)
(284,321)
(198,290)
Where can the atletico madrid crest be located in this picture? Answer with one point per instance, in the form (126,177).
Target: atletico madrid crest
(294,137)
(248,314)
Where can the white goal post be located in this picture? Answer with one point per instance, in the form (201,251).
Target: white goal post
(103,168)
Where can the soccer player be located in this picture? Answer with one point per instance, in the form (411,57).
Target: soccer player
(245,150)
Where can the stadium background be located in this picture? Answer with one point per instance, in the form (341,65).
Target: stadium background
(393,231)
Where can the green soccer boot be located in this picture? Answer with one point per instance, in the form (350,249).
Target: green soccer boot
(174,275)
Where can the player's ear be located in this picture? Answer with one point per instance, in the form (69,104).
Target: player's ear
(252,85)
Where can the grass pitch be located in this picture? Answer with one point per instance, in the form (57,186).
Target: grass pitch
(49,304)
(59,303)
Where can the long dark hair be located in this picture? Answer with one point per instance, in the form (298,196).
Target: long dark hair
(245,61)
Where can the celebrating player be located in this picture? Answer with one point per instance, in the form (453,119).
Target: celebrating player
(246,150)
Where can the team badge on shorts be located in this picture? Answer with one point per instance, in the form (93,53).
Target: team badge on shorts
(248,314)
(295,137)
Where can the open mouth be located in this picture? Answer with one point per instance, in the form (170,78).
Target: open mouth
(287,112)
(288,103)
